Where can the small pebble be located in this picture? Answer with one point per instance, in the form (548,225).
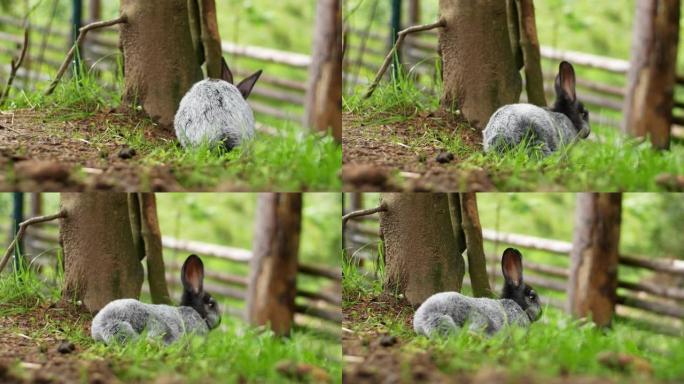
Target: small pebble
(388,340)
(66,347)
(445,157)
(127,153)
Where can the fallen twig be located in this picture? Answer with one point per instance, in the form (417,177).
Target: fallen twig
(397,45)
(14,67)
(363,212)
(22,229)
(81,36)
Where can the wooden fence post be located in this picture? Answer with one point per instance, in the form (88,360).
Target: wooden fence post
(323,109)
(592,288)
(273,267)
(649,96)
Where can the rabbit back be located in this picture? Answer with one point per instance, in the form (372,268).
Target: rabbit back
(126,319)
(213,111)
(447,311)
(510,124)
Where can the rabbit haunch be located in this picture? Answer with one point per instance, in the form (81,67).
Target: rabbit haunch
(445,312)
(126,319)
(215,112)
(550,128)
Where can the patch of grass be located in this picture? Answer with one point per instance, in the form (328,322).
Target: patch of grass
(291,161)
(554,346)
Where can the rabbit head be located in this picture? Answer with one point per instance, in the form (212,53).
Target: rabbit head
(515,288)
(192,277)
(566,100)
(246,85)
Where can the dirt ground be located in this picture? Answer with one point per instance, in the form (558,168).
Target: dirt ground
(377,157)
(26,358)
(39,153)
(372,356)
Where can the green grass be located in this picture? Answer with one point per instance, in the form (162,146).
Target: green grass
(234,352)
(557,345)
(611,162)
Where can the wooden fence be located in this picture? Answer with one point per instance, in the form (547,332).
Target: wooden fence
(318,310)
(276,97)
(649,302)
(366,50)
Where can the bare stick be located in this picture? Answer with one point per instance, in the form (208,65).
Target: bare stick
(14,67)
(81,36)
(397,45)
(363,212)
(22,228)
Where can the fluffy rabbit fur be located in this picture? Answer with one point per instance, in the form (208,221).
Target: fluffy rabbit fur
(550,128)
(447,312)
(215,112)
(125,319)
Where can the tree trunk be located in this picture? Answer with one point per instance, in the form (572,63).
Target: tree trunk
(594,257)
(273,272)
(94,10)
(211,40)
(529,44)
(478,65)
(160,64)
(101,263)
(421,253)
(324,91)
(477,263)
(151,237)
(652,74)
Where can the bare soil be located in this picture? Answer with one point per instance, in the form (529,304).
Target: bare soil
(29,354)
(373,356)
(40,153)
(386,157)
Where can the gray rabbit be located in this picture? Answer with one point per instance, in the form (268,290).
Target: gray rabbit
(551,128)
(446,312)
(125,319)
(215,112)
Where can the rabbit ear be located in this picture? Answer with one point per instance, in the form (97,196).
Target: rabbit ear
(226,74)
(246,85)
(565,81)
(511,266)
(192,274)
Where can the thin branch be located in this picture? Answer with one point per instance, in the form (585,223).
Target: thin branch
(81,36)
(22,229)
(397,45)
(363,212)
(14,67)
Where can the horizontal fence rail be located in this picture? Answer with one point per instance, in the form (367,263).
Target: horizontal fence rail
(646,302)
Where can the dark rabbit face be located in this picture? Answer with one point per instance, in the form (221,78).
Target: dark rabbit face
(515,288)
(566,100)
(246,85)
(192,276)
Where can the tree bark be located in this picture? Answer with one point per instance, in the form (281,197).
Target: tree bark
(529,44)
(652,73)
(478,65)
(421,253)
(151,237)
(101,263)
(324,91)
(160,63)
(477,263)
(594,257)
(514,33)
(211,40)
(273,272)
